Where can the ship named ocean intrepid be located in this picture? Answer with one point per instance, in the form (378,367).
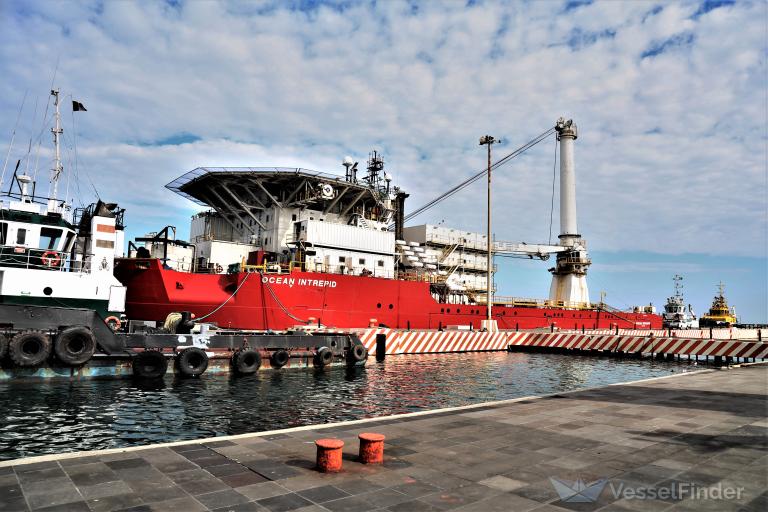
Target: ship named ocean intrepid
(278,248)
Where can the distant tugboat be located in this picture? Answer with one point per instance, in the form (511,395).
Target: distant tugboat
(719,315)
(676,315)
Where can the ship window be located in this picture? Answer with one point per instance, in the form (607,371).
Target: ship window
(391,306)
(442,310)
(381,263)
(49,238)
(378,305)
(293,217)
(341,259)
(21,236)
(267,220)
(3,232)
(361,261)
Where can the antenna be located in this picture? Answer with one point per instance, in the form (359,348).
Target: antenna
(351,167)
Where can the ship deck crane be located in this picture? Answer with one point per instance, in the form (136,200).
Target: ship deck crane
(569,274)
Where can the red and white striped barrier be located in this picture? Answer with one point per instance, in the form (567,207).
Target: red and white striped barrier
(731,333)
(646,345)
(422,342)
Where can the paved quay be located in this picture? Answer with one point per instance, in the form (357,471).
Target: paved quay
(702,434)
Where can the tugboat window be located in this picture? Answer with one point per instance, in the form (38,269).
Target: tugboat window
(21,236)
(49,238)
(3,232)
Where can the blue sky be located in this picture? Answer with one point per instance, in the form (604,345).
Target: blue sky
(669,97)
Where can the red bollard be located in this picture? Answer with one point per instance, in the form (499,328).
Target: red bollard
(329,455)
(371,448)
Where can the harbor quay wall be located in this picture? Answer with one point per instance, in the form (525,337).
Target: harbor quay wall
(423,342)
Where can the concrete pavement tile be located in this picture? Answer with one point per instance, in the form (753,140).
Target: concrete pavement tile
(116,502)
(104,489)
(54,497)
(262,490)
(502,483)
(323,494)
(220,499)
(501,503)
(284,502)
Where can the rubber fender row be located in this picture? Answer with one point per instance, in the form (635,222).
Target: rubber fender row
(73,346)
(193,361)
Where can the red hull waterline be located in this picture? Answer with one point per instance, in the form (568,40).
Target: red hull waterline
(283,301)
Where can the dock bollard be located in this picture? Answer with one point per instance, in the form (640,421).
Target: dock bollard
(381,346)
(329,455)
(371,448)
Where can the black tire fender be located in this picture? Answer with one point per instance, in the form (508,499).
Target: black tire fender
(357,353)
(29,348)
(149,364)
(246,361)
(279,358)
(75,345)
(323,357)
(192,362)
(3,345)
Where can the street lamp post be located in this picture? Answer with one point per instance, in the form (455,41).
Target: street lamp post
(488,140)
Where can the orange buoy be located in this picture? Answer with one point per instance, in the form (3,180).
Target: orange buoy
(329,455)
(371,448)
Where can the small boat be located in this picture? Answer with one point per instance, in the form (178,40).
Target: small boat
(719,315)
(676,314)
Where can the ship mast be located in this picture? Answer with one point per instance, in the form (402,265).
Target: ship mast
(678,286)
(57,166)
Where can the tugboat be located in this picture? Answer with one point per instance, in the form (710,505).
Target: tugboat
(52,255)
(676,315)
(719,315)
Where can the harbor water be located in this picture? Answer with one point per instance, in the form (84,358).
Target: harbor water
(61,416)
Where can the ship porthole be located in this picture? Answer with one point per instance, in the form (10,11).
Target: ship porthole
(47,290)
(378,305)
(391,306)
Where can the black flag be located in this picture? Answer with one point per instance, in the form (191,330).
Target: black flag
(77,107)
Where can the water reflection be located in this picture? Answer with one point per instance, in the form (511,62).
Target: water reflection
(52,417)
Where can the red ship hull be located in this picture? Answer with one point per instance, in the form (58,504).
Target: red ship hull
(281,301)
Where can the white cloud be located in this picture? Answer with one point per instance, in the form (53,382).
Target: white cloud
(671,151)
